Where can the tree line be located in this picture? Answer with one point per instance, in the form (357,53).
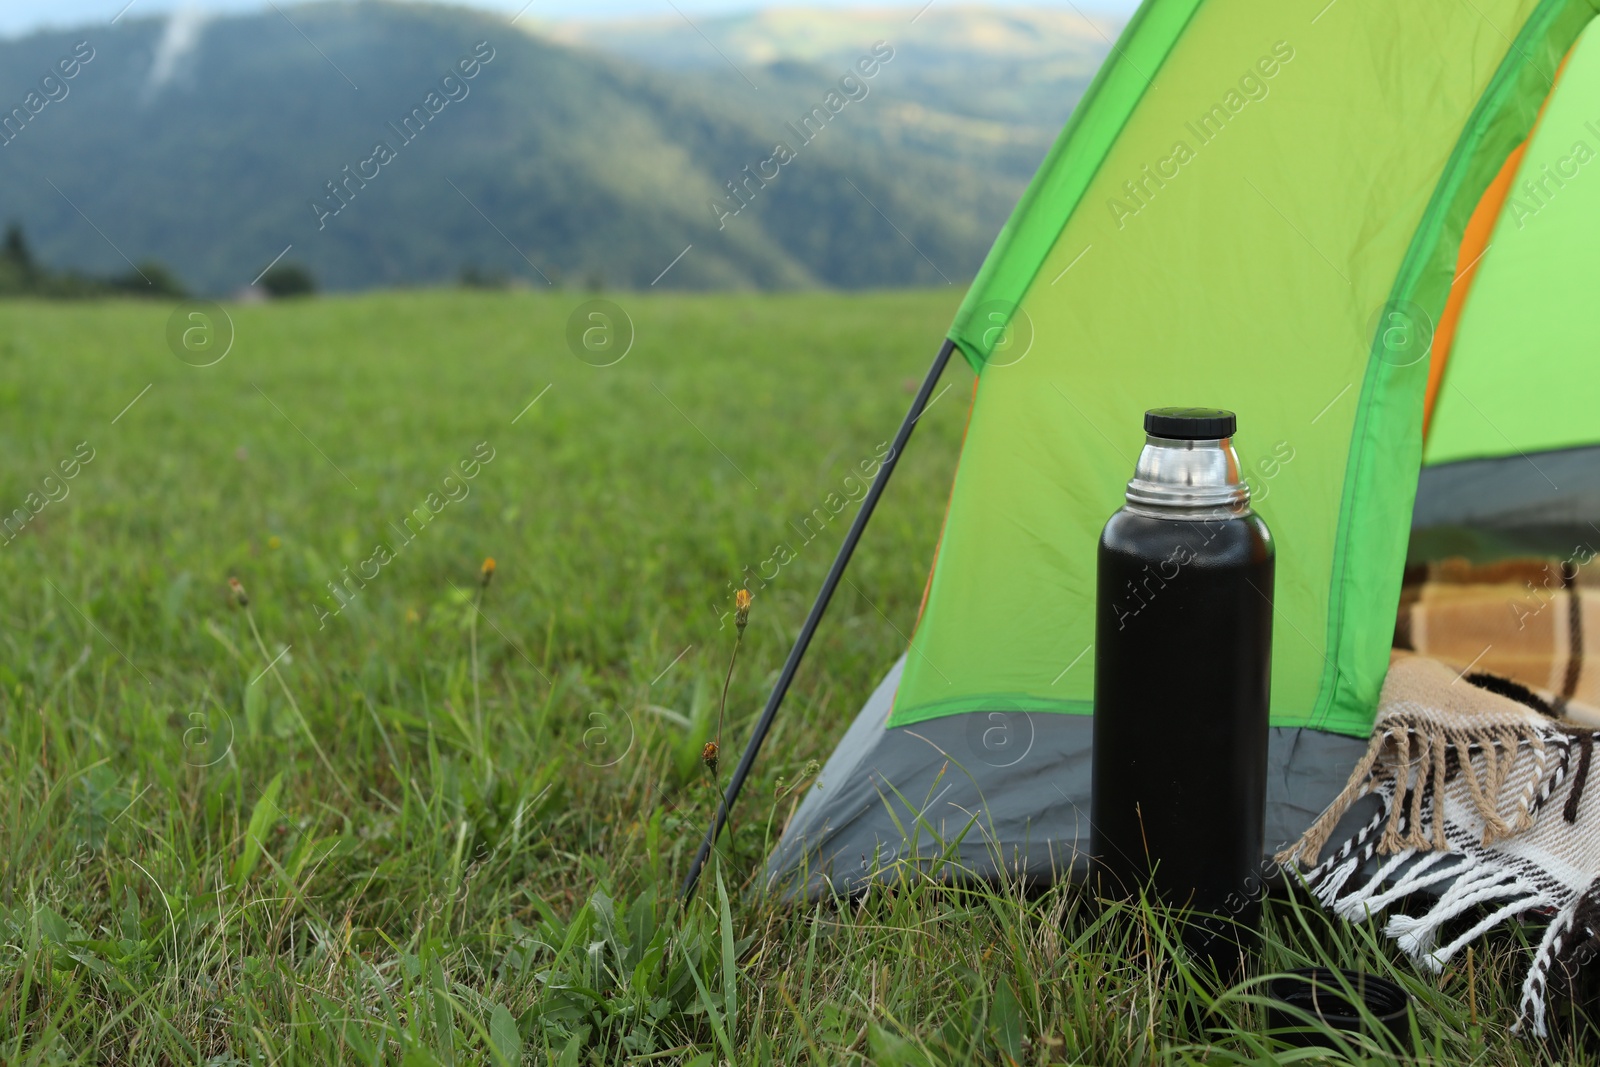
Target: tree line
(22,274)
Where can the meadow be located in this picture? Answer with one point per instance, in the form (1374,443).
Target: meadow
(364,808)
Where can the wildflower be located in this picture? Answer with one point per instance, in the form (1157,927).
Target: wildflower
(741,608)
(240,597)
(273,542)
(412,616)
(486,572)
(708,756)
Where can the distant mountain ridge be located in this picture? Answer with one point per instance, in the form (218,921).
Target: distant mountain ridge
(1021,66)
(350,138)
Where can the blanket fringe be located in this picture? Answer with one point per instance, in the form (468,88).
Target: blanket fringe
(1414,758)
(1536,987)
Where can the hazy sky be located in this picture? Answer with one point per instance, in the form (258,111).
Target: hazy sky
(21,16)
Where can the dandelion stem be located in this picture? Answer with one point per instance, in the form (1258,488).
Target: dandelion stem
(722,705)
(472,639)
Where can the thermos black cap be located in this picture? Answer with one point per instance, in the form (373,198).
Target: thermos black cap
(1190,424)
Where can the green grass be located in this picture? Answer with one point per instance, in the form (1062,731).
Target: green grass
(386,849)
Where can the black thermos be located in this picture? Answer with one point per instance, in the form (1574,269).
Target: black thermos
(1182,666)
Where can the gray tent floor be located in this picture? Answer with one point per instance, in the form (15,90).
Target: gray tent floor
(982,790)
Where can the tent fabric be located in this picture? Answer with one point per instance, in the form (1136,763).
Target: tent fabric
(1521,373)
(1002,787)
(1474,243)
(1511,491)
(1543,504)
(1281,190)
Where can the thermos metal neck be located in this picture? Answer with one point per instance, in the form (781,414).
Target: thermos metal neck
(1196,479)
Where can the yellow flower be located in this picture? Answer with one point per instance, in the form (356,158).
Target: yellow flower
(273,542)
(486,572)
(708,756)
(741,608)
(412,616)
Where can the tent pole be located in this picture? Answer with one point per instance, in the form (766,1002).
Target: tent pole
(825,594)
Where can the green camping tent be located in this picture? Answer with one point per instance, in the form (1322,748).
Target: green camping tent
(1368,227)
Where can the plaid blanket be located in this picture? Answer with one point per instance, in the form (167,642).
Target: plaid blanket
(1535,622)
(1482,802)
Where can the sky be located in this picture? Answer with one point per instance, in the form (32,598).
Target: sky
(22,16)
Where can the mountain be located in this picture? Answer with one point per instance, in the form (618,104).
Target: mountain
(970,83)
(353,136)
